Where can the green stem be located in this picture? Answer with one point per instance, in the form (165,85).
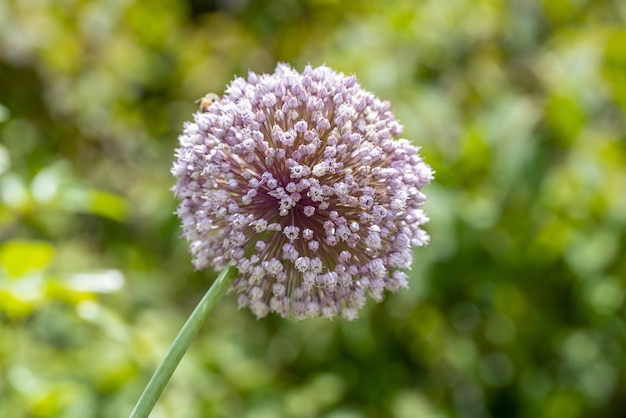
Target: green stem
(162,375)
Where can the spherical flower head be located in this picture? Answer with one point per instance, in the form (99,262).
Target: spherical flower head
(300,182)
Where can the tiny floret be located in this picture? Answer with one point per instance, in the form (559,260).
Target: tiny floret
(303,182)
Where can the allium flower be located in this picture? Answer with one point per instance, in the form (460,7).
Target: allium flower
(299,182)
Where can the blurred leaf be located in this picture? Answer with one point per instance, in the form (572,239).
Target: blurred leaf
(45,185)
(615,66)
(107,205)
(5,159)
(14,193)
(95,202)
(20,257)
(565,117)
(105,281)
(14,306)
(5,114)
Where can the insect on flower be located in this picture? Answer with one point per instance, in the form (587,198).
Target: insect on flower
(207,100)
(303,182)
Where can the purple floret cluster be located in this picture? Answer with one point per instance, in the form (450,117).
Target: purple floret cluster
(300,182)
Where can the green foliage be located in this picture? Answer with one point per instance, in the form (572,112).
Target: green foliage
(516,309)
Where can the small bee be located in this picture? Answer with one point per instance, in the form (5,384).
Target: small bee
(207,101)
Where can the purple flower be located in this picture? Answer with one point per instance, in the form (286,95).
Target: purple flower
(298,180)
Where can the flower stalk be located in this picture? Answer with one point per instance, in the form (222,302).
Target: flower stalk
(183,340)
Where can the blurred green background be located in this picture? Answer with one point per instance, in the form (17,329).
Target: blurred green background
(516,309)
